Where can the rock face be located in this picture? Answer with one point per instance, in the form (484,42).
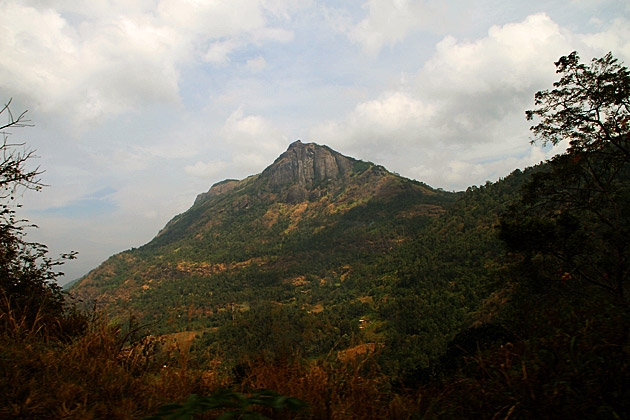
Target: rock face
(218,188)
(305,165)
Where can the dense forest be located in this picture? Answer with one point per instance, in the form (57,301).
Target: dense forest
(507,300)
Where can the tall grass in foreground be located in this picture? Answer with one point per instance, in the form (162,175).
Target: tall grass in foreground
(94,374)
(335,389)
(98,373)
(570,362)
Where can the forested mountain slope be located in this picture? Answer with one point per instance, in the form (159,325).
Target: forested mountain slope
(324,250)
(293,234)
(408,302)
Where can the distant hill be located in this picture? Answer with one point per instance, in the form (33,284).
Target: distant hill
(297,234)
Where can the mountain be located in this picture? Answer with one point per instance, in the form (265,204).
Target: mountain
(306,233)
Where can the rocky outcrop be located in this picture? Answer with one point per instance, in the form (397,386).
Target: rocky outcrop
(306,165)
(216,189)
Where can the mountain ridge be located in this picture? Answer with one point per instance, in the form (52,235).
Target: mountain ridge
(313,214)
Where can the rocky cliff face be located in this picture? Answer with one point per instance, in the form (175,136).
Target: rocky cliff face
(218,188)
(305,165)
(296,175)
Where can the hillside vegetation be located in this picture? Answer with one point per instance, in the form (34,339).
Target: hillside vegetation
(301,234)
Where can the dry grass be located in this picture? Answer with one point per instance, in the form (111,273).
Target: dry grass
(99,374)
(334,389)
(95,375)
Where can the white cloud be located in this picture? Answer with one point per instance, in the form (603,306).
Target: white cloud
(272,34)
(206,169)
(615,38)
(254,140)
(86,71)
(483,87)
(250,129)
(395,117)
(512,56)
(470,96)
(218,52)
(283,9)
(256,64)
(462,91)
(395,110)
(92,60)
(213,19)
(246,163)
(101,8)
(28,36)
(390,21)
(459,172)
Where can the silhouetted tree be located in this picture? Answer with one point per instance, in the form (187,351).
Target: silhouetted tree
(28,291)
(573,223)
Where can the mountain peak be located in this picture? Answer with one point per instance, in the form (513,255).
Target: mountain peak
(296,144)
(306,164)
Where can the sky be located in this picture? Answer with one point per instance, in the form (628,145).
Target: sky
(137,106)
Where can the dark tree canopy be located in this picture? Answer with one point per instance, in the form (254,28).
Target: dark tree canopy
(573,223)
(589,106)
(28,291)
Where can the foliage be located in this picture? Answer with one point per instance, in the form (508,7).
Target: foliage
(29,294)
(589,107)
(336,388)
(566,361)
(96,374)
(273,331)
(573,222)
(568,265)
(237,403)
(440,280)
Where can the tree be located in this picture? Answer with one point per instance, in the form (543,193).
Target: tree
(29,294)
(573,222)
(589,106)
